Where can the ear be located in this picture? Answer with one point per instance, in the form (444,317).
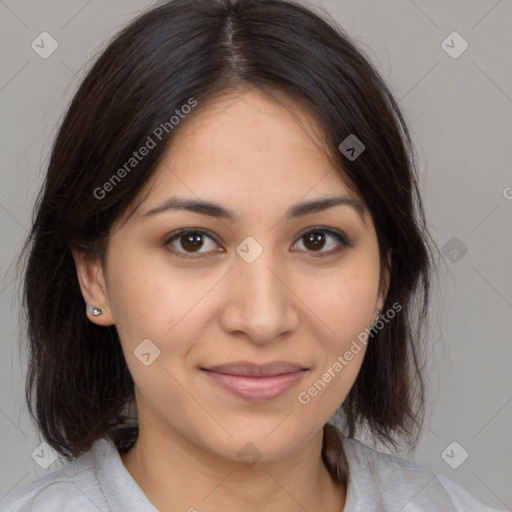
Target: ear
(93,286)
(384,283)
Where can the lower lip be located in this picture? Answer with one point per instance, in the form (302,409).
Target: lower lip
(256,389)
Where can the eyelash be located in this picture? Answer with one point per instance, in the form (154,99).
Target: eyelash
(343,240)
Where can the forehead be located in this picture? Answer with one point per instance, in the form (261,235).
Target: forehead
(249,146)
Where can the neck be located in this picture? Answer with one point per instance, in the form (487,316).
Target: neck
(177,475)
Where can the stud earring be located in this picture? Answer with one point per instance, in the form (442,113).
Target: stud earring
(94,310)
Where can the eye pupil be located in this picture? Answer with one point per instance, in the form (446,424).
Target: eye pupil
(192,241)
(316,238)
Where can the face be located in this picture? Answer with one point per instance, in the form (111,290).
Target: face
(188,290)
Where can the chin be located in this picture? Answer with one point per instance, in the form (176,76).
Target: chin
(271,440)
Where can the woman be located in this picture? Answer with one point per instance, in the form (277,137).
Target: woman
(224,260)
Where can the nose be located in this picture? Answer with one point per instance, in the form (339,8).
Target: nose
(260,305)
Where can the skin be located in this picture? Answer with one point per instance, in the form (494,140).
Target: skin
(247,153)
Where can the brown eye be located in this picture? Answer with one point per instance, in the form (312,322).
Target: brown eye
(314,240)
(317,239)
(189,241)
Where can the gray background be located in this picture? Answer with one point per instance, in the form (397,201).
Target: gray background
(460,113)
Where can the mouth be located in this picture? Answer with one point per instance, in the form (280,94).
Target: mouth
(256,383)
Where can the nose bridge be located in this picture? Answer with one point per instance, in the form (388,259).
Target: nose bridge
(259,304)
(254,260)
(259,279)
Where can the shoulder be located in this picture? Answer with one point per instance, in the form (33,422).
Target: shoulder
(385,482)
(73,487)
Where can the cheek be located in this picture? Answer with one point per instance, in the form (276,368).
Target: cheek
(344,301)
(151,309)
(147,297)
(153,301)
(345,307)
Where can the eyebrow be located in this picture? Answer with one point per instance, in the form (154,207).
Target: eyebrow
(219,212)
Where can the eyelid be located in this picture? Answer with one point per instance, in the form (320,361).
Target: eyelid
(344,240)
(326,229)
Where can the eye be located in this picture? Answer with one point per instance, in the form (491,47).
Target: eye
(315,241)
(193,240)
(190,240)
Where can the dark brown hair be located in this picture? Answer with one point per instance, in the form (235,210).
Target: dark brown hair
(78,385)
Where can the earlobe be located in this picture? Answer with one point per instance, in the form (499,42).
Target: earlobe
(94,290)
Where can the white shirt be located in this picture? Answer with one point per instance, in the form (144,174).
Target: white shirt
(378,482)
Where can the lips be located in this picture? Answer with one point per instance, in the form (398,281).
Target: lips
(248,369)
(254,382)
